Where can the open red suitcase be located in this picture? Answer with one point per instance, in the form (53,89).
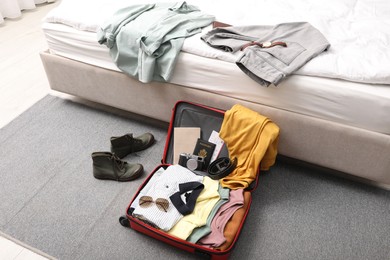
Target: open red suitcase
(186,114)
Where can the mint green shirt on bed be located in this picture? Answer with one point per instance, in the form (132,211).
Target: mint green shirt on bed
(145,40)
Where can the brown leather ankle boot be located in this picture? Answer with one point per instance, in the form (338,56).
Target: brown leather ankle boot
(109,167)
(126,144)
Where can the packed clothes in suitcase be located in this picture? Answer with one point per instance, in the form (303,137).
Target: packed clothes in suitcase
(199,197)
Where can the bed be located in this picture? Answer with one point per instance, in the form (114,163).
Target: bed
(332,112)
(13,8)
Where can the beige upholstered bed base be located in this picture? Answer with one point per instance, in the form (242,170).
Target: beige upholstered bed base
(332,145)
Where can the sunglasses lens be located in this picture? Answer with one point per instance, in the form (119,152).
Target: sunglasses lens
(162,204)
(145,201)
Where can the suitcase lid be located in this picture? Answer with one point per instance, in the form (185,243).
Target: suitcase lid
(189,114)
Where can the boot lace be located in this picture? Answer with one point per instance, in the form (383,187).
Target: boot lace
(136,144)
(118,164)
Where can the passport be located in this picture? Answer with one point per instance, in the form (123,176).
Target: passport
(204,149)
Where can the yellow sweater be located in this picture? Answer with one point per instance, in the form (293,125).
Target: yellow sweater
(251,138)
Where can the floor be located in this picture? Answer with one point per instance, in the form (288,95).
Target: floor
(14,250)
(23,82)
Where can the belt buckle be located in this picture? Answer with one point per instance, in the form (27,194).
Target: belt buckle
(266,44)
(221,168)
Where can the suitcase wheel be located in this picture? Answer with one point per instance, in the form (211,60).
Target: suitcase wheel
(124,221)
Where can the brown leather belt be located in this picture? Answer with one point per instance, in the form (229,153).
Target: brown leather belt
(264,44)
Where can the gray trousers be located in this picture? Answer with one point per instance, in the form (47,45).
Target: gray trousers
(269,65)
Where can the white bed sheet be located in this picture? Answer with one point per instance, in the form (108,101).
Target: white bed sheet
(358,30)
(356,104)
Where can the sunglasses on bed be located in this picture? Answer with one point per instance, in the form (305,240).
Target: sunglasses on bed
(147,201)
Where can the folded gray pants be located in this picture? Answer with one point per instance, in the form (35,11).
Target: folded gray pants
(269,65)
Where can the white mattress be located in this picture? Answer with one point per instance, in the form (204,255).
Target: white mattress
(355,104)
(358,30)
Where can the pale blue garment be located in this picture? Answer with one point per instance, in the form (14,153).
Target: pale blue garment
(203,231)
(145,40)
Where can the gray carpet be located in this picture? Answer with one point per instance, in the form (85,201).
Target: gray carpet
(50,200)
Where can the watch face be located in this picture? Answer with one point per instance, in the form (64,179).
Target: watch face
(266,44)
